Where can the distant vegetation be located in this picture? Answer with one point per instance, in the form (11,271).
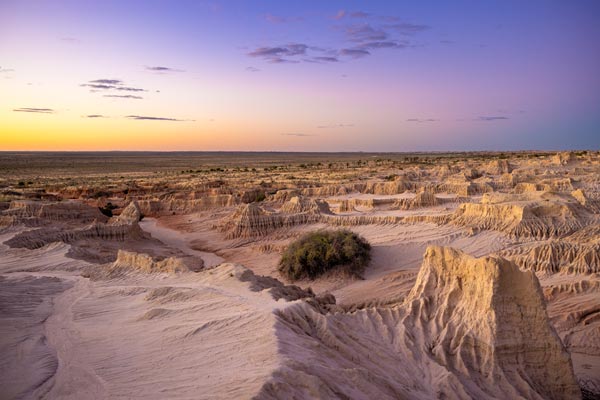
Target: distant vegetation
(319,252)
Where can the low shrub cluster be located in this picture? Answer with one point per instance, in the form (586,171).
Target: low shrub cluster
(319,252)
(107,209)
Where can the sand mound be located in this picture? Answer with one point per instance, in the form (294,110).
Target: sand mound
(531,215)
(498,167)
(130,215)
(95,231)
(33,213)
(129,262)
(251,220)
(578,287)
(299,204)
(557,256)
(284,195)
(167,206)
(425,197)
(564,158)
(400,185)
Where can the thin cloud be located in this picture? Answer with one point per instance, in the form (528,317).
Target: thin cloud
(361,40)
(279,60)
(388,18)
(6,70)
(276,19)
(323,59)
(98,86)
(107,81)
(384,45)
(163,69)
(123,96)
(252,69)
(366,38)
(491,118)
(130,89)
(359,14)
(297,134)
(69,39)
(335,126)
(96,116)
(364,32)
(422,120)
(354,53)
(340,14)
(110,84)
(146,118)
(279,54)
(35,110)
(405,28)
(288,50)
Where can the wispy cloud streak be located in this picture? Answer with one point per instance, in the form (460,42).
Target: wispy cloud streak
(123,96)
(163,69)
(110,84)
(146,118)
(491,118)
(297,134)
(35,110)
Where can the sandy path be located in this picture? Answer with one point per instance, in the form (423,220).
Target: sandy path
(178,240)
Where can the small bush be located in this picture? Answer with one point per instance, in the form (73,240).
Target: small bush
(107,209)
(318,252)
(260,196)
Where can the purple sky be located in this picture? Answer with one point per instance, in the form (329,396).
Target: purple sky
(305,76)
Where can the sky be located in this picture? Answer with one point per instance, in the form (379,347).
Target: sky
(299,76)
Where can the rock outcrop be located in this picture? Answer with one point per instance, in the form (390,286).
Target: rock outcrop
(32,213)
(37,238)
(486,319)
(299,204)
(557,256)
(130,215)
(158,207)
(470,328)
(424,198)
(541,218)
(129,262)
(498,167)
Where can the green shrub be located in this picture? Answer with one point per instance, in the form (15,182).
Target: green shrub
(107,209)
(318,252)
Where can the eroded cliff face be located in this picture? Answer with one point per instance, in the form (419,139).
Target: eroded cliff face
(470,328)
(130,263)
(531,216)
(36,213)
(130,215)
(486,319)
(557,256)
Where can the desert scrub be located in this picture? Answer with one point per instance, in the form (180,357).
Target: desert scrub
(322,251)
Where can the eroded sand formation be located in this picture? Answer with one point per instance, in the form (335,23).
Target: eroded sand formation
(484,282)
